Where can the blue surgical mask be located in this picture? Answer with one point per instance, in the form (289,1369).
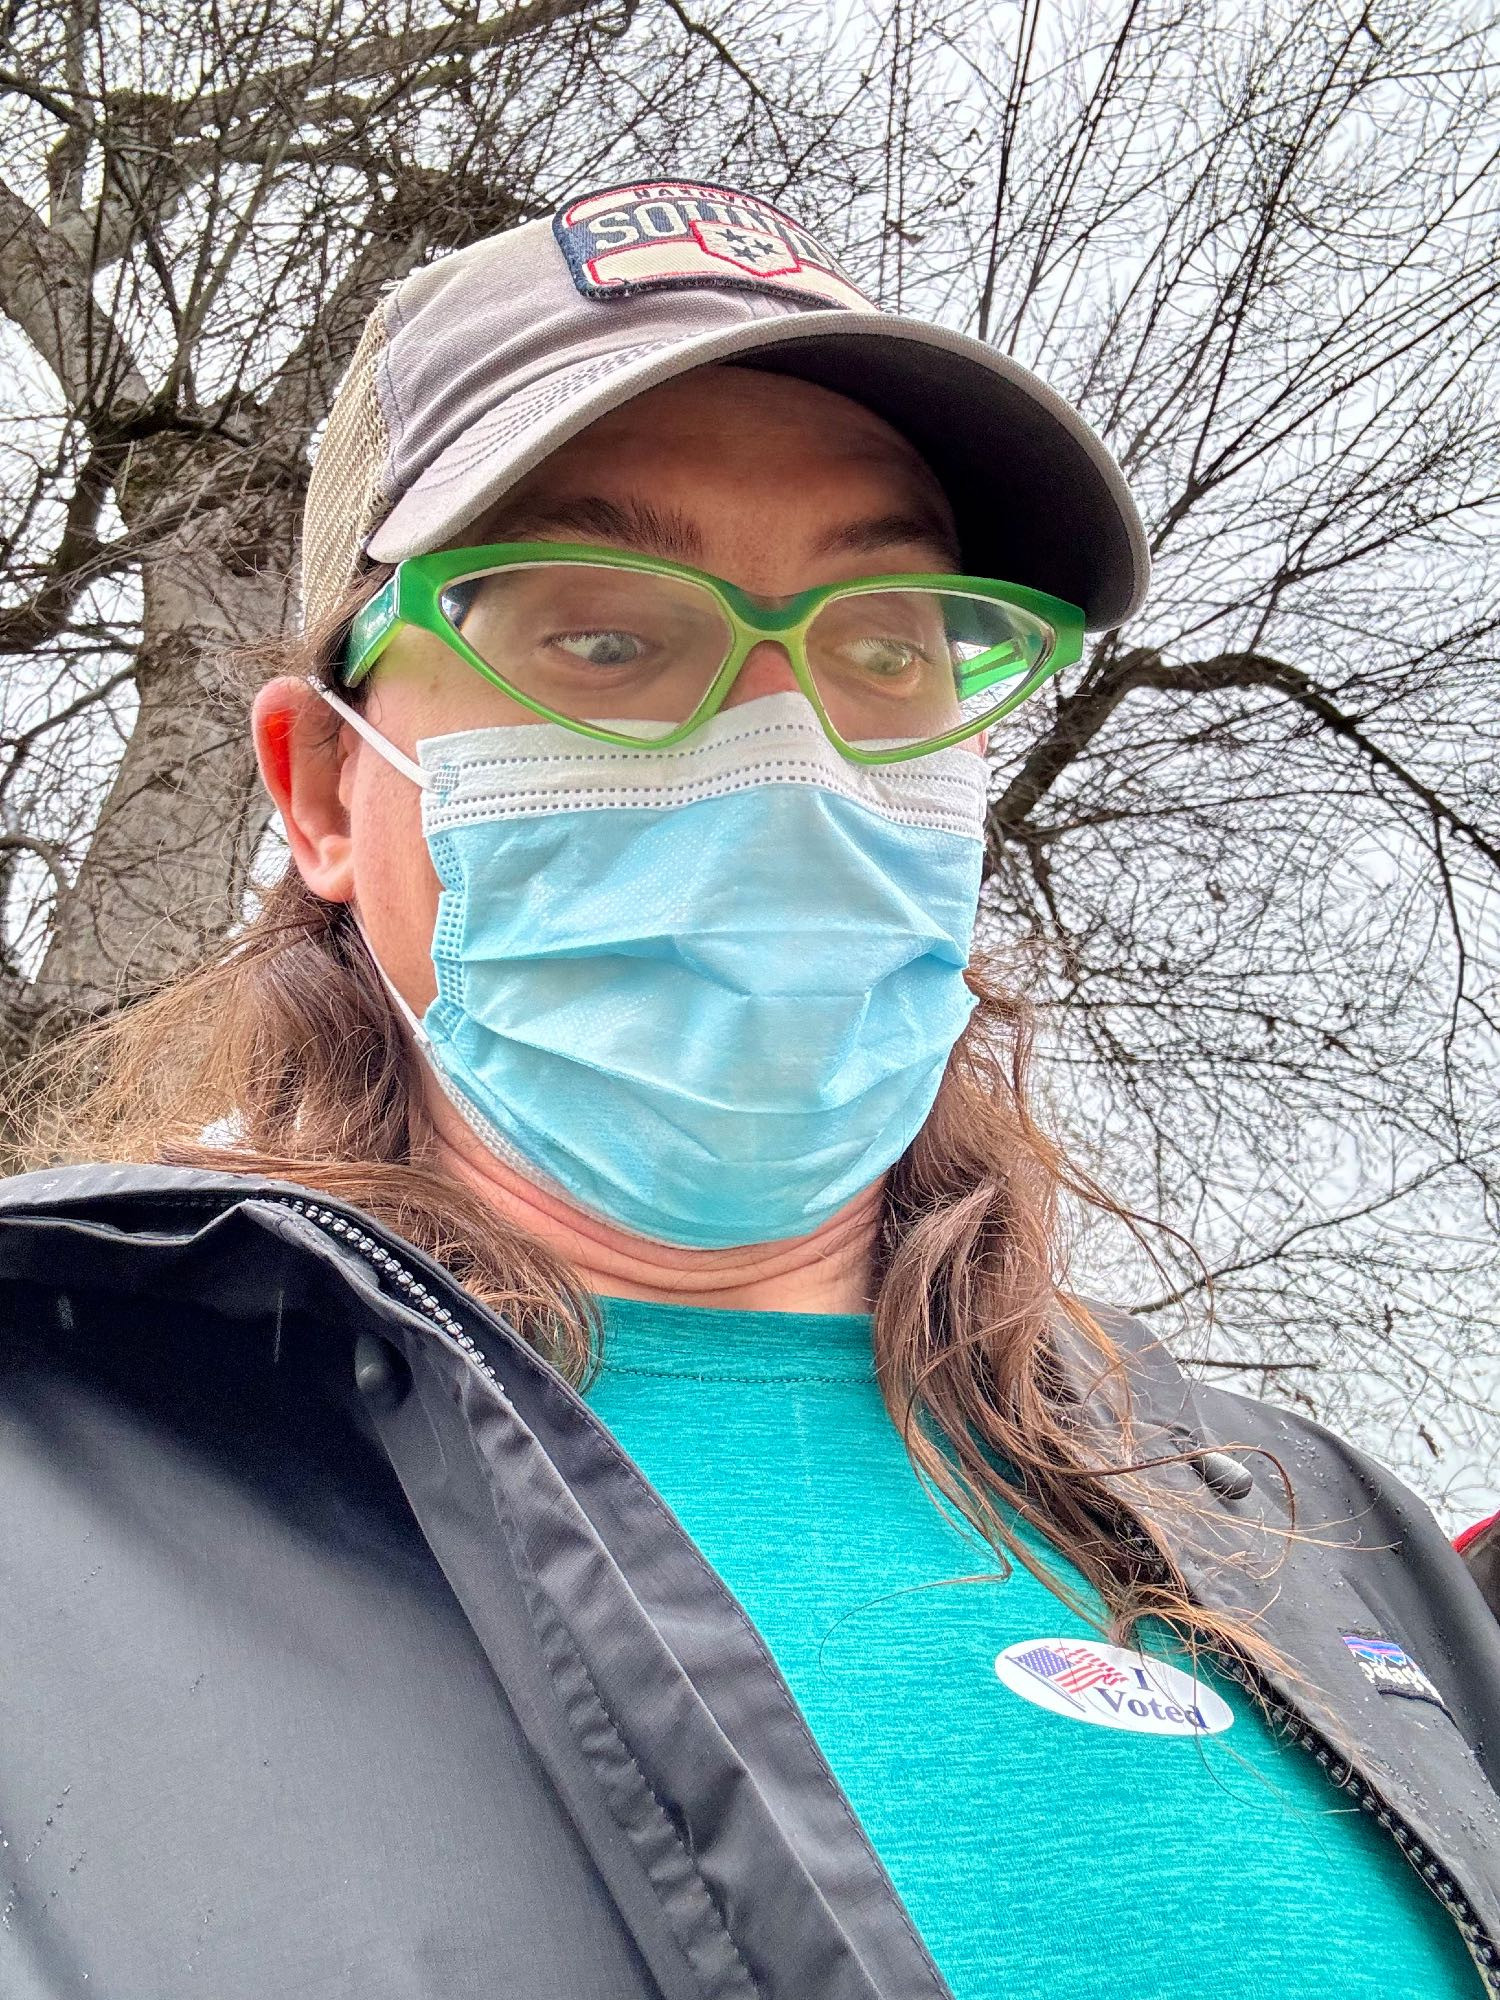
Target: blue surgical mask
(707,993)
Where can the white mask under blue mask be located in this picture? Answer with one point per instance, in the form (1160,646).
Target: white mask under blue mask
(707,993)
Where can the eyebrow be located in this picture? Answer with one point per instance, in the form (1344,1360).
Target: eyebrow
(886,531)
(668,533)
(652,531)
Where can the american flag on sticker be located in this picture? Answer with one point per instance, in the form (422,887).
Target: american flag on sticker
(1069,1669)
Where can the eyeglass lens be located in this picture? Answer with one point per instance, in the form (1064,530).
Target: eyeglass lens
(637,652)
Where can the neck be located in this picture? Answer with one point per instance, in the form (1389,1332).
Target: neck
(831,1270)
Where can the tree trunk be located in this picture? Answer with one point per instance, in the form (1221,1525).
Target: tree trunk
(167,868)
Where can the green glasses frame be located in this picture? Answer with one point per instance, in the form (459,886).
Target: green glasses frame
(412,596)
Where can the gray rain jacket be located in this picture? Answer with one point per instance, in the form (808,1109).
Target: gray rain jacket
(344,1651)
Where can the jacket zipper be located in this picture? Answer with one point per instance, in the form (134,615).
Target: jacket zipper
(1480,1946)
(405,1282)
(1434,1874)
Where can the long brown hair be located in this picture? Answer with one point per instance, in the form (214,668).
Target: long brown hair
(281,1055)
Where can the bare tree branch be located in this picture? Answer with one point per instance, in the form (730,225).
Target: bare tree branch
(1080,718)
(46,291)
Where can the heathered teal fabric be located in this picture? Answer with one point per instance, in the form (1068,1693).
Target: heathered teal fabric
(1041,1857)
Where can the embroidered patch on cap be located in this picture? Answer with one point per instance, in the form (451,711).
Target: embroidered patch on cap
(669,235)
(1112,1687)
(1390,1668)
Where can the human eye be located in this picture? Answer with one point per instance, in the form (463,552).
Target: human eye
(601,646)
(885,656)
(894,640)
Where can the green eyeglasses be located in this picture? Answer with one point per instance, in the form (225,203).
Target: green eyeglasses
(630,650)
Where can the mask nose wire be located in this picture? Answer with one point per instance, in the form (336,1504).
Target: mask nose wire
(381,745)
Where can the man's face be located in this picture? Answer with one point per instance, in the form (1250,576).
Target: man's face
(772,483)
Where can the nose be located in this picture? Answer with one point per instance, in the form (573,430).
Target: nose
(767,670)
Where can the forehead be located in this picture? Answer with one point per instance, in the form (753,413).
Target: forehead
(729,401)
(743,436)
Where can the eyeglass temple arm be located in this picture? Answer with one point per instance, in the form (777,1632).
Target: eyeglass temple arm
(1002,665)
(372,631)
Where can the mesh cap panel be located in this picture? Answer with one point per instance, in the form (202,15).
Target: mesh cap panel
(346,494)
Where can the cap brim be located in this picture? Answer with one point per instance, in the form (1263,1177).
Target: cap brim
(1037,498)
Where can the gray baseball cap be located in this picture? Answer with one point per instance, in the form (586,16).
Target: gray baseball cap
(474,368)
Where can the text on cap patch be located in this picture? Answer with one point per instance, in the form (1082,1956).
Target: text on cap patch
(669,235)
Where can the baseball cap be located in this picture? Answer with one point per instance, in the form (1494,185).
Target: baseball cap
(477,366)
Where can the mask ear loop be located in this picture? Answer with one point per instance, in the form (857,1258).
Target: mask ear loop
(409,768)
(397,759)
(408,1014)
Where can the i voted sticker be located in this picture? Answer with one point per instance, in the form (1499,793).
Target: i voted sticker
(1113,1687)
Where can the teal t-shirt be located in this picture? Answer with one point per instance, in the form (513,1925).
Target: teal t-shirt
(1043,1853)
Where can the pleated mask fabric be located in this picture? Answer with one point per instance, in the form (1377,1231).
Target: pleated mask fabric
(707,993)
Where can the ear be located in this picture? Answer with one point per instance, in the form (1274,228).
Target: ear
(301,748)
